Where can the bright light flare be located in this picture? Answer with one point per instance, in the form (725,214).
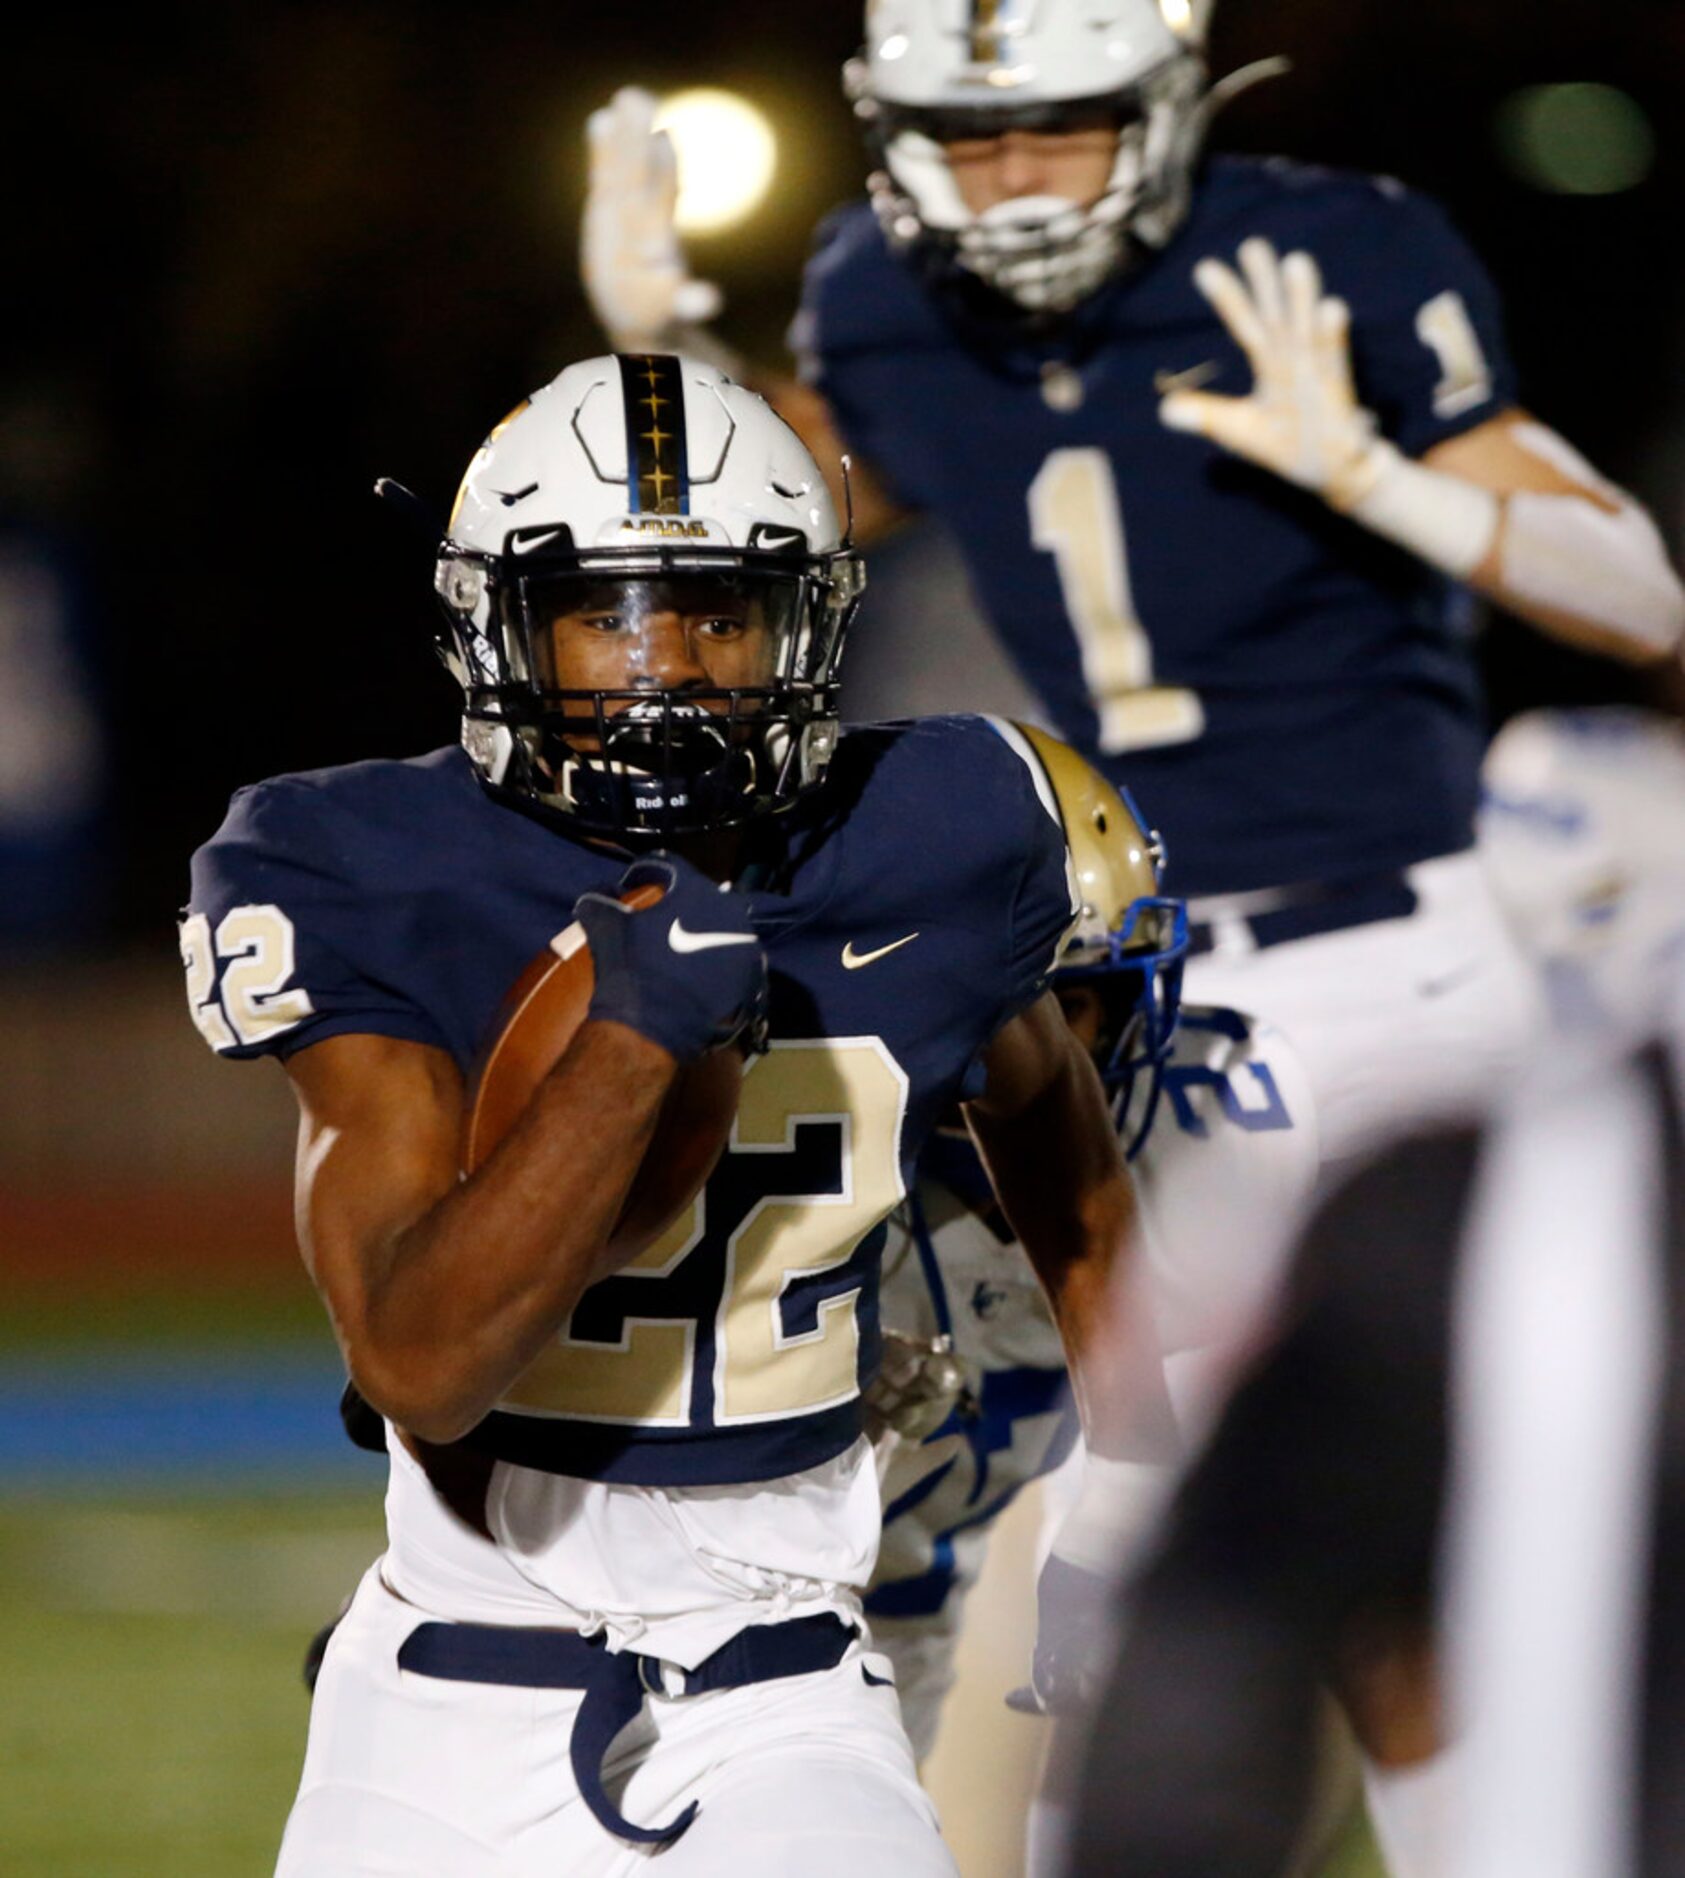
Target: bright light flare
(726,153)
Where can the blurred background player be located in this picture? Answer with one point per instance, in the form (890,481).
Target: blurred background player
(630,1512)
(1583,829)
(973,1395)
(1513,1497)
(1223,445)
(1516,1613)
(177,1505)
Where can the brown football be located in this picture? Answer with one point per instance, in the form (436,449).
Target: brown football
(546,1005)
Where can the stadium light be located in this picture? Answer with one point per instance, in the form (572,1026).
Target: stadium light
(726,153)
(1576,140)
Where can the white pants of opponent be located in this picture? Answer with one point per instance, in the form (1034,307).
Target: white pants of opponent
(406,1776)
(1398,1022)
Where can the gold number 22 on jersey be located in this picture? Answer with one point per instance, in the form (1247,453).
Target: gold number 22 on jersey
(1075,516)
(763,1369)
(256,946)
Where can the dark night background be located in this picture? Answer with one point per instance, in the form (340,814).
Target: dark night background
(256,255)
(260,255)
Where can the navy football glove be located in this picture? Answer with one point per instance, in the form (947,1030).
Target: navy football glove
(1076,1637)
(687,973)
(1078,1593)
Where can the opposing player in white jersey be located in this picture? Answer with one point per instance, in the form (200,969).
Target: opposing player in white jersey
(631,1511)
(1584,835)
(1217,1118)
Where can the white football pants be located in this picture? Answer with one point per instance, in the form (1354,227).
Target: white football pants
(1399,1022)
(406,1776)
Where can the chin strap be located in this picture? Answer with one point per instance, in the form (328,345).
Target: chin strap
(1234,83)
(848,499)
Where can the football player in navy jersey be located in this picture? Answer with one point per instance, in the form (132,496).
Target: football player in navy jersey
(1224,444)
(971,1398)
(630,1512)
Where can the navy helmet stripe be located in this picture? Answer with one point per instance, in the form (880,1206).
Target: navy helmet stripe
(657,453)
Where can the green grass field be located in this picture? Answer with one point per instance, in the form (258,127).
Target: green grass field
(150,1640)
(155,1718)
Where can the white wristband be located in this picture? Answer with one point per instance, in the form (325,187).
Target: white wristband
(1107,1511)
(1445,521)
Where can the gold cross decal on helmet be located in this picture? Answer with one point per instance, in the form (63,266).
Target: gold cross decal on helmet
(655,471)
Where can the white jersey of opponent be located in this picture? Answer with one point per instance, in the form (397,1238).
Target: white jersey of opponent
(1234,1140)
(1584,836)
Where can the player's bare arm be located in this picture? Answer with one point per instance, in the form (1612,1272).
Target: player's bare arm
(443,1290)
(1508,506)
(1052,1151)
(1053,1154)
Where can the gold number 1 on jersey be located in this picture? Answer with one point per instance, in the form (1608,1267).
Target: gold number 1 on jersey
(1075,516)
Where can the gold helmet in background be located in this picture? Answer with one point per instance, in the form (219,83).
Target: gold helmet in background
(1119,972)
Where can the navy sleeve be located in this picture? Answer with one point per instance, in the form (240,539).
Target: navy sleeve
(1428,345)
(273,938)
(1044,898)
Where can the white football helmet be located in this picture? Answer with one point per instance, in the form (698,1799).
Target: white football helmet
(934,71)
(629,491)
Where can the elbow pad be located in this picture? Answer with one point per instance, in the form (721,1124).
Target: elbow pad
(1599,561)
(1608,569)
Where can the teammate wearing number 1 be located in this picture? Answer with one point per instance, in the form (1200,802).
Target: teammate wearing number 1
(631,1512)
(1223,443)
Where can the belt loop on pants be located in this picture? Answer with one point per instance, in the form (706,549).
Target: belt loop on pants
(615,1683)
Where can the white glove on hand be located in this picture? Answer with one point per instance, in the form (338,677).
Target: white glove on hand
(1302,419)
(635,273)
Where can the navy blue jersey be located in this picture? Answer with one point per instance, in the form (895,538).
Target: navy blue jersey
(1290,698)
(924,893)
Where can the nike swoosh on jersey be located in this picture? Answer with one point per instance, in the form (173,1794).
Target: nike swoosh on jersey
(681,939)
(852,960)
(1190,380)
